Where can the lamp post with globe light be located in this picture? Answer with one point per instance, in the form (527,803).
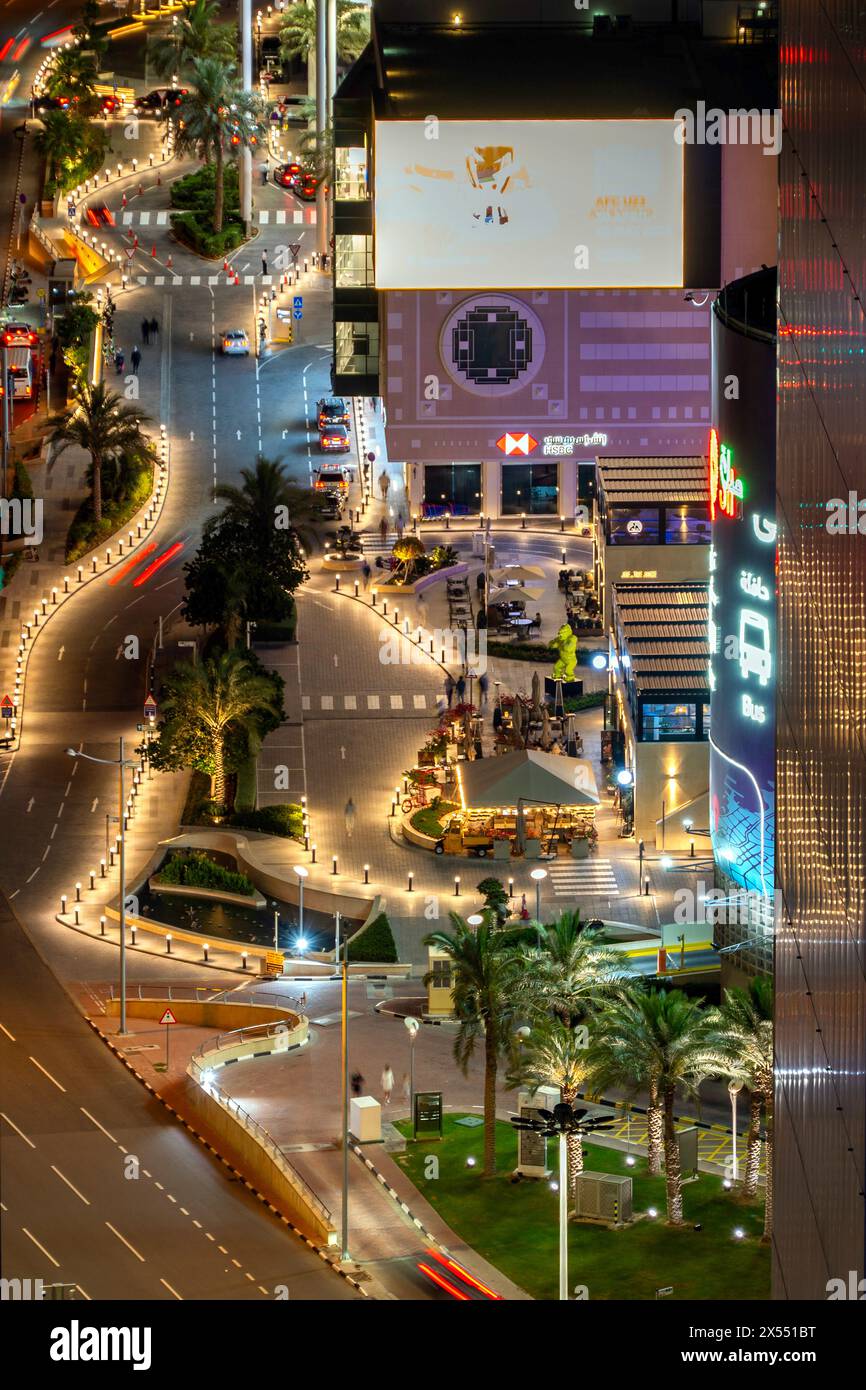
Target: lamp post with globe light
(538,876)
(412,1027)
(302,874)
(560,1122)
(734,1089)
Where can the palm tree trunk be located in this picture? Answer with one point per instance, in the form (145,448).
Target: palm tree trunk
(218,776)
(219,176)
(96,487)
(753,1144)
(673,1179)
(573,1144)
(768,1158)
(490,1051)
(654,1129)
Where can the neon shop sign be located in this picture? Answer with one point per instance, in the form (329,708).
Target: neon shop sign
(726,489)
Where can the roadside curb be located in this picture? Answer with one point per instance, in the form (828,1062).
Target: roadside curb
(323,1256)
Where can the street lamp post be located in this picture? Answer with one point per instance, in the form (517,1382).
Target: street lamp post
(538,875)
(412,1026)
(562,1121)
(120,763)
(302,874)
(344,999)
(734,1089)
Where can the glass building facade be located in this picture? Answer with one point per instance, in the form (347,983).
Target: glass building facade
(821,708)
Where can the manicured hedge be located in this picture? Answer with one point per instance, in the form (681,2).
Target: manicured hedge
(375,943)
(272,820)
(85,533)
(531,651)
(193,869)
(195,231)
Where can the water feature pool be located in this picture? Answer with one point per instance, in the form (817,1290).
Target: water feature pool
(245,924)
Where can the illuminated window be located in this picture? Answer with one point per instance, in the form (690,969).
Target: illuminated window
(357,348)
(452,487)
(351,168)
(687,525)
(675,721)
(440,971)
(633,525)
(354,261)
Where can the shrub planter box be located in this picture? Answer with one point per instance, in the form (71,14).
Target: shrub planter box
(580,849)
(501,849)
(214,894)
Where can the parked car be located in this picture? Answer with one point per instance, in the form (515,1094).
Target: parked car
(285,174)
(305,186)
(331,480)
(234,342)
(153,103)
(332,410)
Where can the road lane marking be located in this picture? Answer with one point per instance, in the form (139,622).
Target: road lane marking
(98,1125)
(70,1185)
(178,1296)
(47,1073)
(123,1239)
(18,1131)
(47,1253)
(9,1035)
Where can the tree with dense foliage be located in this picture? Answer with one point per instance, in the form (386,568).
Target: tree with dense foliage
(569,971)
(484,967)
(746,1039)
(204,705)
(298,30)
(217,117)
(64,137)
(102,423)
(73,73)
(659,1041)
(196,33)
(554,1054)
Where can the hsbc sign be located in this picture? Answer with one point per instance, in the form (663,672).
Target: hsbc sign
(517,444)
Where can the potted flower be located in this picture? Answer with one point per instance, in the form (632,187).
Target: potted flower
(584,842)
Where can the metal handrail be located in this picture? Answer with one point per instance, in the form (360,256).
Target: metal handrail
(261,1135)
(220,1041)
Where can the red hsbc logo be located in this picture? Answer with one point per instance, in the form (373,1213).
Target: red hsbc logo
(516,443)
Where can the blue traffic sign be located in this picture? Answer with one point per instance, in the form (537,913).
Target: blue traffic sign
(297,314)
(298,301)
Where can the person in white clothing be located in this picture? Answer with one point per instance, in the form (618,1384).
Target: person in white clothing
(387,1083)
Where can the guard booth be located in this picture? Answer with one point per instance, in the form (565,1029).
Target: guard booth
(440,985)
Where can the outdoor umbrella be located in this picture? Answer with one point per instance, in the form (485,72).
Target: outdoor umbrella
(507,574)
(515,593)
(536,691)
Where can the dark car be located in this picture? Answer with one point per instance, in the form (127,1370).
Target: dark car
(156,101)
(46,103)
(334,439)
(305,186)
(285,174)
(331,410)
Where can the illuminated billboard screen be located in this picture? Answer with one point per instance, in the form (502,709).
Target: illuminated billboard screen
(534,204)
(742,634)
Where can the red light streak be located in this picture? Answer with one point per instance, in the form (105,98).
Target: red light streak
(133,563)
(444,1283)
(157,564)
(464,1274)
(21,49)
(5,49)
(56,34)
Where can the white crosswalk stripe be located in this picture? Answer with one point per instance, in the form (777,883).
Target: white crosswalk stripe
(343,703)
(586,877)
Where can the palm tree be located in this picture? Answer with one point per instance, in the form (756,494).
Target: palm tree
(59,140)
(207,702)
(298,30)
(316,148)
(746,1037)
(103,424)
(218,116)
(553,1055)
(484,967)
(72,74)
(570,970)
(197,34)
(264,490)
(659,1041)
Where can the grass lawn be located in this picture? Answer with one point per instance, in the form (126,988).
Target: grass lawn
(515,1226)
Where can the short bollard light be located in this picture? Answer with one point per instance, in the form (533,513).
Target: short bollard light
(206,948)
(102,926)
(78,892)
(366,873)
(63,904)
(168,943)
(333,863)
(457,885)
(92,879)
(411,888)
(102,868)
(243,960)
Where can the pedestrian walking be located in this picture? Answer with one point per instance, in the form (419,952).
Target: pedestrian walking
(483,686)
(460,688)
(154,329)
(264,262)
(407,1088)
(135,359)
(480,584)
(384,484)
(387,1083)
(383,529)
(264,172)
(118,362)
(357,1083)
(373,404)
(367,572)
(349,816)
(449,688)
(145,331)
(399,525)
(441,706)
(421,606)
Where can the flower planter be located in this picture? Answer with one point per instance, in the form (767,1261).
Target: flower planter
(580,849)
(501,849)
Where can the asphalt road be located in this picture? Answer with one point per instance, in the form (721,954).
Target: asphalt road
(101,1188)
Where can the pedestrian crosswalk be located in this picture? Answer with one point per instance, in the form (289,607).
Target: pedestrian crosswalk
(593,878)
(210,280)
(392,704)
(278,217)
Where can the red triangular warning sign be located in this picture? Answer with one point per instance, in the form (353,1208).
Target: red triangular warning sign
(168,1017)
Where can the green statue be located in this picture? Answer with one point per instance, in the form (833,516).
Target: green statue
(565,644)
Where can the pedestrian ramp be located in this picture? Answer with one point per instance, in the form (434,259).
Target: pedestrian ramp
(583,878)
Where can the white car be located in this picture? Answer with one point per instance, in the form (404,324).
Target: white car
(235,342)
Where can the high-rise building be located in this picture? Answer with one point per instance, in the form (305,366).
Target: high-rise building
(820,1168)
